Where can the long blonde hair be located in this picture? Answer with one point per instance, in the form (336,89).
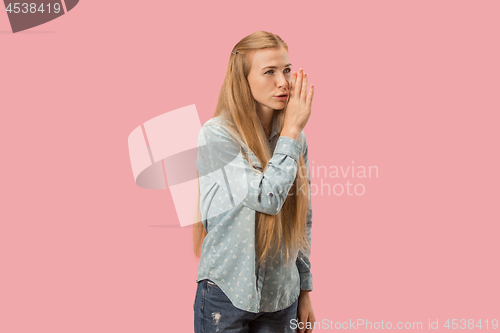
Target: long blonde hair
(237,103)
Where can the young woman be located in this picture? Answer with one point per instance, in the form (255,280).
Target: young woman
(254,239)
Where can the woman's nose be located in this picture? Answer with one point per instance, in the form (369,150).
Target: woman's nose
(283,81)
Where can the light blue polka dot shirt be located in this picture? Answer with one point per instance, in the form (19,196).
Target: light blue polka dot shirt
(232,194)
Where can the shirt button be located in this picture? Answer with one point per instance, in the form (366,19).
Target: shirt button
(271,194)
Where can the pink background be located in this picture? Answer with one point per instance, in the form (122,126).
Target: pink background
(411,87)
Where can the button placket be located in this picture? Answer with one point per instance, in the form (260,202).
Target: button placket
(261,272)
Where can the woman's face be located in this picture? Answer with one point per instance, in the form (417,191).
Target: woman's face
(269,77)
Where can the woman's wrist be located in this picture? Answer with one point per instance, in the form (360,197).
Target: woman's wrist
(291,133)
(304,293)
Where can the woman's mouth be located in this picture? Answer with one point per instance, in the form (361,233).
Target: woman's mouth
(282,97)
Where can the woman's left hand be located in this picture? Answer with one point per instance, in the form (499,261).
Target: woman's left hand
(305,313)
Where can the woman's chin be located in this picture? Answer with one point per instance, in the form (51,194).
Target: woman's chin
(280,107)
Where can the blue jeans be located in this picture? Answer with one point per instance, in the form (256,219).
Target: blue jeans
(214,312)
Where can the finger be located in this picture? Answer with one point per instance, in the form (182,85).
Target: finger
(298,84)
(307,330)
(302,326)
(310,97)
(303,91)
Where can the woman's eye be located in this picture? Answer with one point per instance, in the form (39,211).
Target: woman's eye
(287,70)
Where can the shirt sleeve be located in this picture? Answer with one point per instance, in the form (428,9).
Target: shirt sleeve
(228,175)
(303,263)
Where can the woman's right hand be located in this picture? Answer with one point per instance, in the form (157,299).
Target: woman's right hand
(298,109)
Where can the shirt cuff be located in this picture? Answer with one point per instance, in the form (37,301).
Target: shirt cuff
(306,282)
(288,146)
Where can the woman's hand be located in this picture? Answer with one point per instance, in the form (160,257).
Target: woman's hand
(305,313)
(298,109)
